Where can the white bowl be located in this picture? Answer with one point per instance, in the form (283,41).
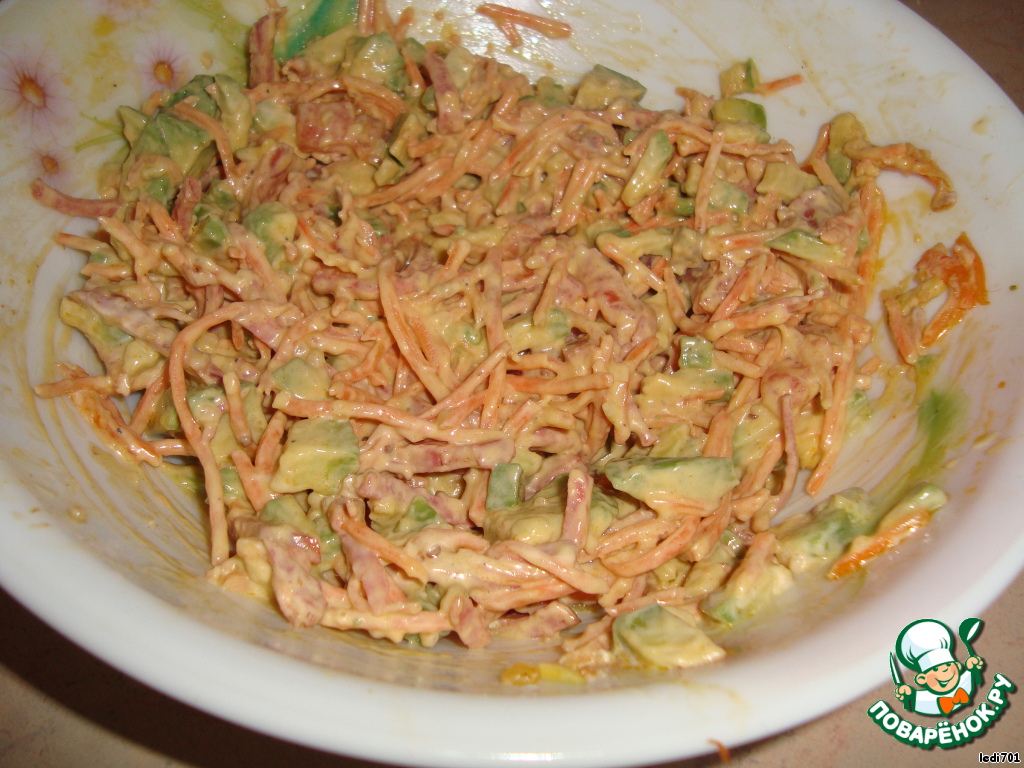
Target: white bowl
(114,556)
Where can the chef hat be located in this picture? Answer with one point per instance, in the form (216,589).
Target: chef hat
(925,644)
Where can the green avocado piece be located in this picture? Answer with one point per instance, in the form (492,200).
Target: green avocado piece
(735,110)
(819,538)
(330,49)
(235,110)
(99,333)
(505,486)
(655,636)
(843,129)
(741,77)
(601,86)
(418,516)
(286,510)
(740,599)
(182,142)
(460,62)
(666,388)
(728,197)
(695,352)
(133,121)
(231,482)
(551,94)
(195,89)
(538,520)
(700,481)
(210,233)
(807,246)
(646,177)
(302,379)
(318,454)
(309,20)
(787,180)
(379,61)
(274,223)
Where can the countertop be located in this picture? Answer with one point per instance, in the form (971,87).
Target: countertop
(62,708)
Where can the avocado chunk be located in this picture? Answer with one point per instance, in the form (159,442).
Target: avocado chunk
(728,197)
(755,433)
(741,77)
(735,110)
(787,180)
(418,516)
(235,110)
(286,510)
(210,234)
(132,121)
(414,49)
(163,135)
(408,128)
(234,491)
(538,520)
(164,420)
(318,454)
(816,539)
(674,203)
(551,94)
(308,21)
(302,379)
(646,178)
(330,49)
(695,352)
(379,61)
(742,597)
(844,129)
(807,246)
(460,62)
(686,383)
(195,91)
(274,223)
(523,335)
(604,510)
(206,404)
(101,335)
(694,484)
(505,486)
(601,86)
(176,139)
(711,572)
(675,442)
(656,636)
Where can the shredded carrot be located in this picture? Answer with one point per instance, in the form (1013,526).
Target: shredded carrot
(503,15)
(881,543)
(774,86)
(960,273)
(723,751)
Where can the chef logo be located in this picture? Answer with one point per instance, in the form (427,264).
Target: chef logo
(946,685)
(942,686)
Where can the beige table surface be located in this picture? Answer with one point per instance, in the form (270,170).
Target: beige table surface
(62,708)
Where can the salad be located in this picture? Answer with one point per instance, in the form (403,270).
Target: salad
(460,354)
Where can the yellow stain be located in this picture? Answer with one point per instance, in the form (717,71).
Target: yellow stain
(103,26)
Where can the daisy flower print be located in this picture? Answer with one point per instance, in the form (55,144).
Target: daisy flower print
(32,95)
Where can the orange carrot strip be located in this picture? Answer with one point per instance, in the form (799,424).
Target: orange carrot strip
(503,14)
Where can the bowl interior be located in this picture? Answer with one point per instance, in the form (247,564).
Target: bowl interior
(114,555)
